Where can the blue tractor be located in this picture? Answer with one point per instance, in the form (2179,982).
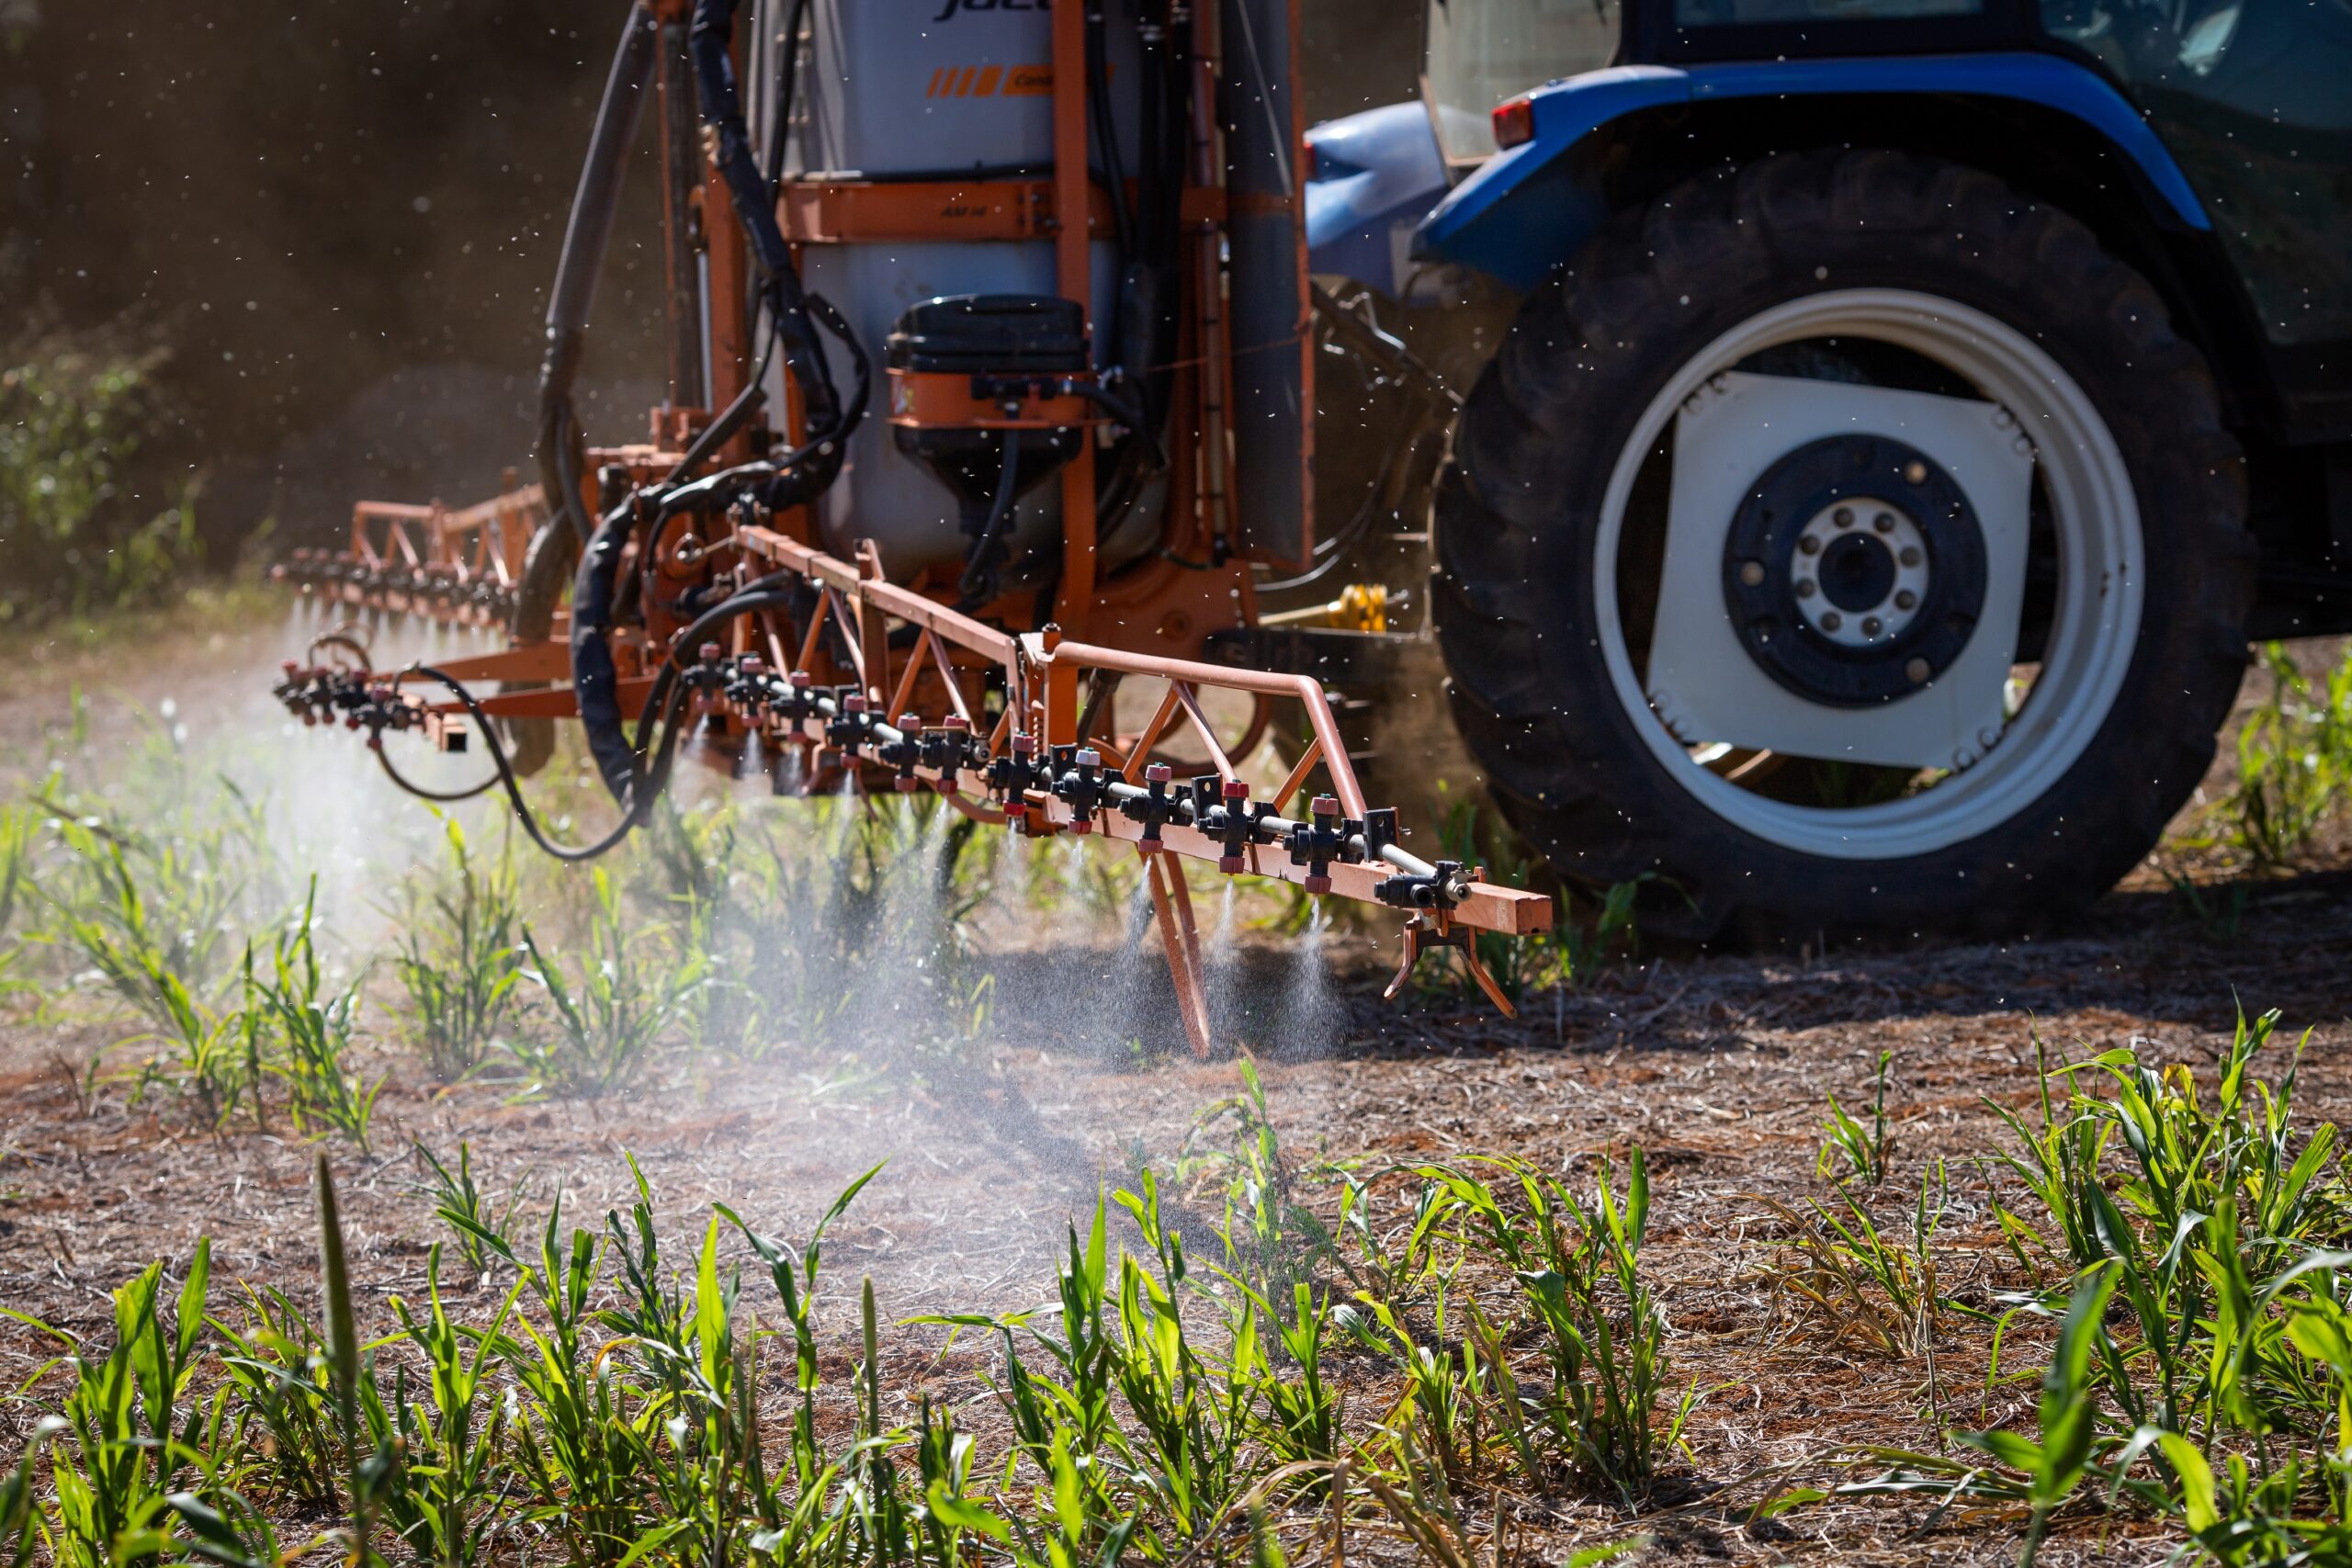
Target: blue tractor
(1883,425)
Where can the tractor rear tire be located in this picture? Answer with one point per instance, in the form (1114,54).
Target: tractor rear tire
(1574,755)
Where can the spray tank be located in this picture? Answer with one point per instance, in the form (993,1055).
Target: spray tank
(910,118)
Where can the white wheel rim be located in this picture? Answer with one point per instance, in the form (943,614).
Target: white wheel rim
(2095,620)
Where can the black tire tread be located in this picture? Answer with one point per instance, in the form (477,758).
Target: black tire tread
(1562,758)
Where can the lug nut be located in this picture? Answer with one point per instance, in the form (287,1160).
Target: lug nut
(1873,625)
(1809,545)
(1910,555)
(1807,588)
(1906,600)
(1843,517)
(1831,620)
(1883,522)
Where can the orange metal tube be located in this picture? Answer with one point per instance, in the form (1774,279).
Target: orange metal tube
(1085,656)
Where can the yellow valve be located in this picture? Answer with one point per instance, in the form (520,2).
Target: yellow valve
(1360,607)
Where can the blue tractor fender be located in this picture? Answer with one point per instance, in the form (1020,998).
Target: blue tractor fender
(1528,208)
(1376,175)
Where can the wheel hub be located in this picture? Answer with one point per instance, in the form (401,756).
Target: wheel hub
(1854,570)
(1856,583)
(1740,655)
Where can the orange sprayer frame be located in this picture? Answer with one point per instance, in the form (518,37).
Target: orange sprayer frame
(1147,623)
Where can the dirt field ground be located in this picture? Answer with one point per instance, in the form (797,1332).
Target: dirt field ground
(1717,1066)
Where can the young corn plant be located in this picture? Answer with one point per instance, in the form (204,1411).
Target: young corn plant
(2042,1472)
(484,1229)
(1582,950)
(460,960)
(212,1056)
(141,905)
(2054,1162)
(276,1359)
(19,1506)
(612,1014)
(373,1435)
(1300,1419)
(2294,758)
(325,1091)
(1876,1290)
(584,1448)
(793,1271)
(1861,1151)
(1270,1240)
(152,968)
(19,837)
(129,1429)
(451,1465)
(1190,1415)
(1067,1407)
(1577,1266)
(2202,1366)
(707,1477)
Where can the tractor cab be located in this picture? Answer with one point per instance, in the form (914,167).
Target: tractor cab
(1478,53)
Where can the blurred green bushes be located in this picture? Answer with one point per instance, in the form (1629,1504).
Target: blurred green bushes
(85,524)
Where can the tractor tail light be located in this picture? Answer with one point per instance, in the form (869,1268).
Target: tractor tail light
(1514,121)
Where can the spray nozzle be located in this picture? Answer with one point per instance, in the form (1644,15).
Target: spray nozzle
(1012,775)
(1232,819)
(852,726)
(1156,803)
(1079,784)
(1314,844)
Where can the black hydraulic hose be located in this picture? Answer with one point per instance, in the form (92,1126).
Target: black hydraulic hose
(586,238)
(809,468)
(709,41)
(764,594)
(595,684)
(438,796)
(1106,135)
(787,79)
(652,758)
(650,782)
(730,419)
(979,581)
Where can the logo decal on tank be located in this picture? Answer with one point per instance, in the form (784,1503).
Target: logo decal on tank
(951,6)
(991,82)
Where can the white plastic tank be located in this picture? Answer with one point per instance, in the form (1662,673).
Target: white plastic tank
(927,90)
